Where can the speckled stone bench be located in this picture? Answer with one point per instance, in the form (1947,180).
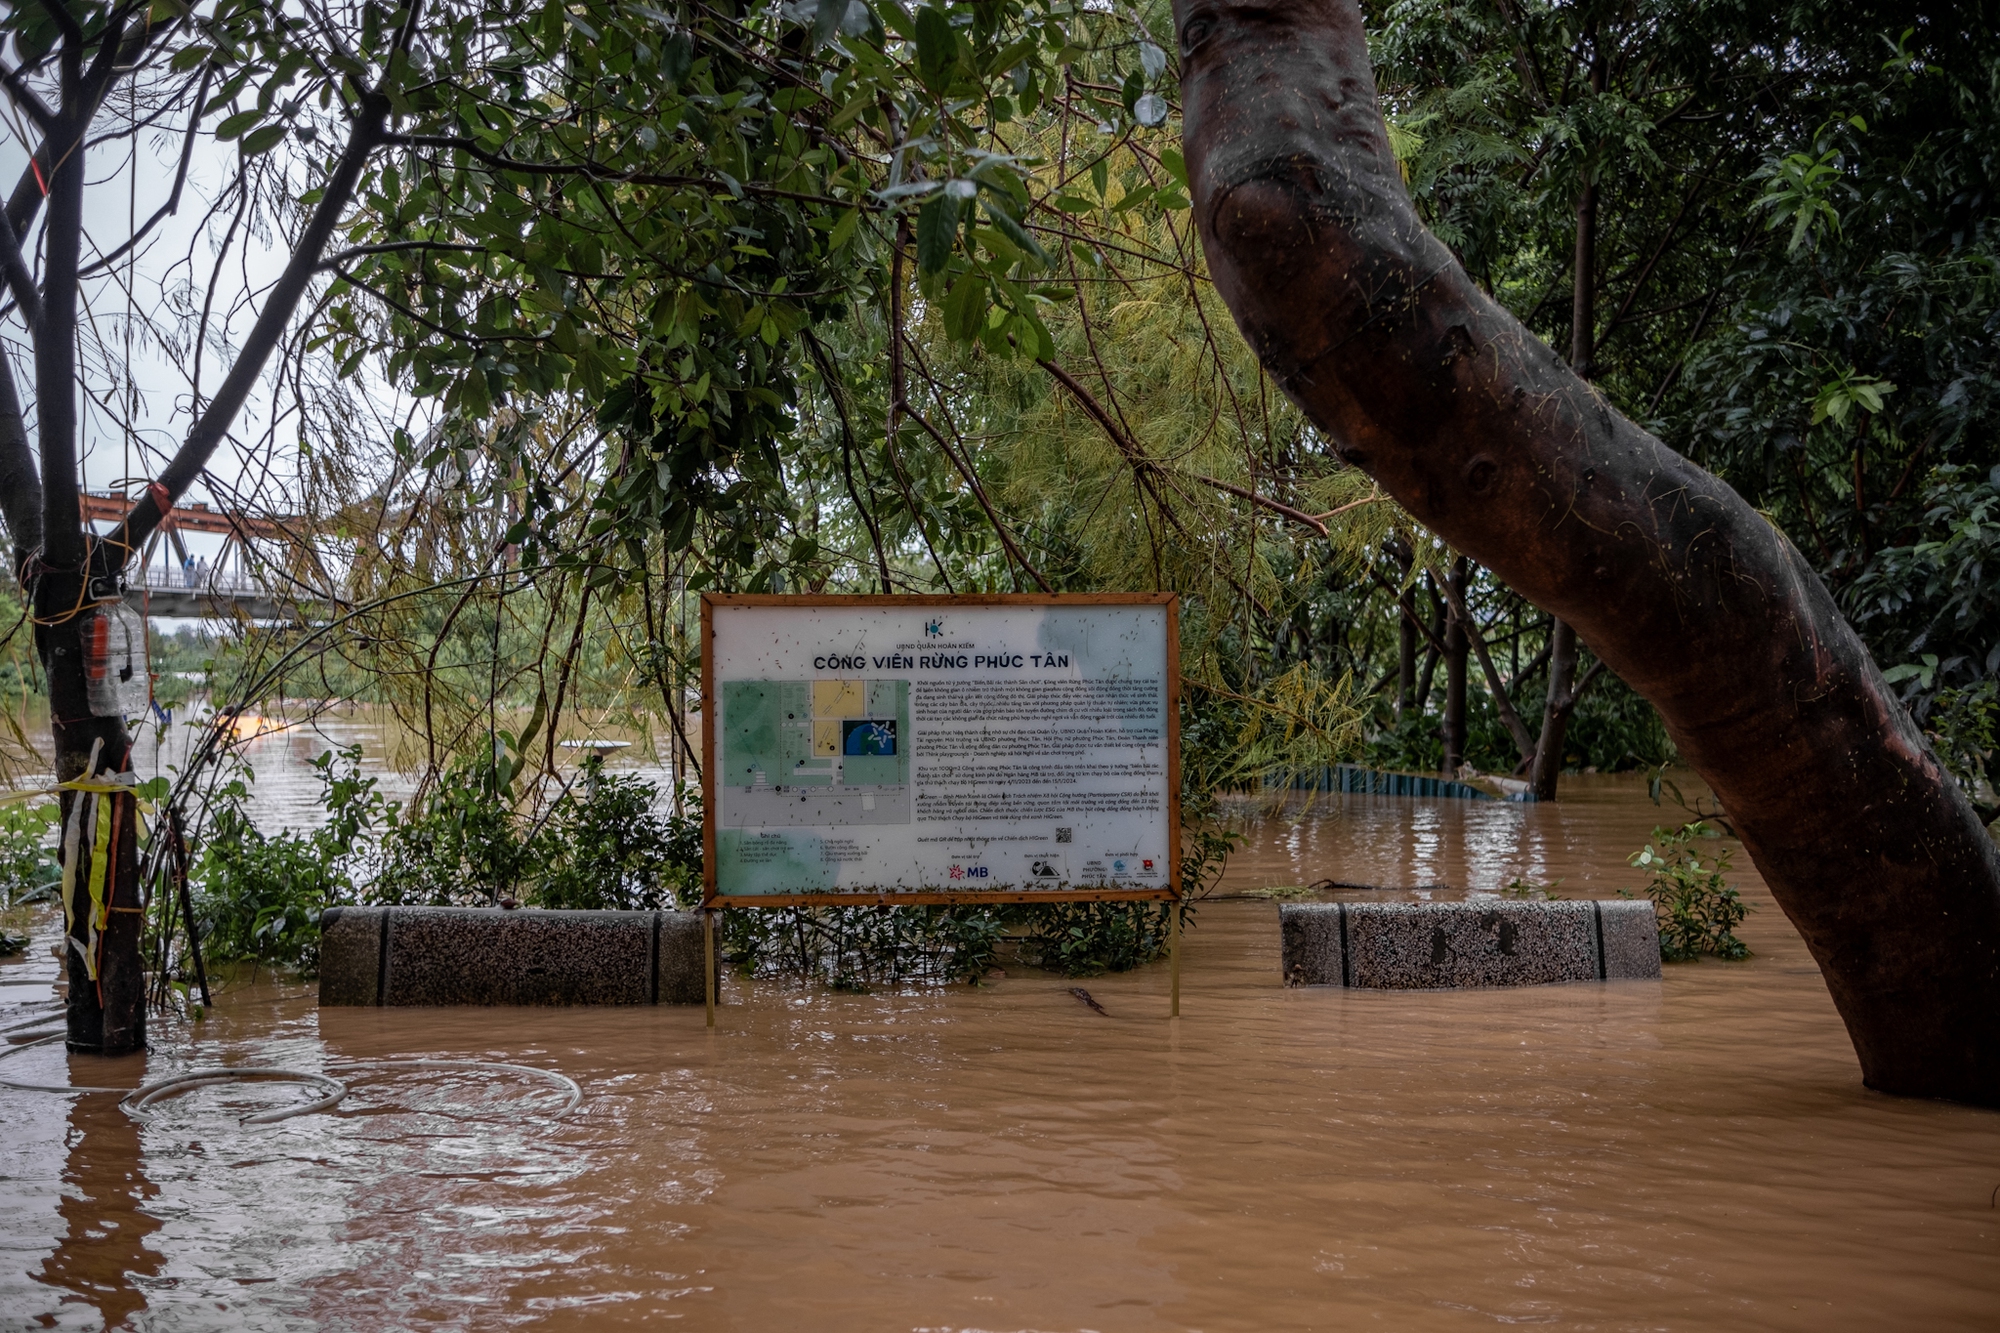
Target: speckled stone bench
(1486,942)
(489,955)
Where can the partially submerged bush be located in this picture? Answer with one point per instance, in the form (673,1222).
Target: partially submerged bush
(599,845)
(603,843)
(259,897)
(1698,913)
(27,848)
(851,948)
(604,846)
(1088,939)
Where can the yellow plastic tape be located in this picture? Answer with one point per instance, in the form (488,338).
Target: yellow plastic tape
(93,807)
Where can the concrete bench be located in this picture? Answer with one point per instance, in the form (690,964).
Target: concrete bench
(1485,942)
(490,955)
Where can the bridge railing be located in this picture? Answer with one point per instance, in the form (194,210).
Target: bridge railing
(215,582)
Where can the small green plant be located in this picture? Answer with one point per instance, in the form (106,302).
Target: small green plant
(1518,887)
(1089,939)
(1960,726)
(260,896)
(1698,913)
(602,846)
(27,852)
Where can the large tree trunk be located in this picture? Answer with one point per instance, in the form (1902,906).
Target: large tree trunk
(1697,601)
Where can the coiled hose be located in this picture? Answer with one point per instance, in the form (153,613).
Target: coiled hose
(135,1101)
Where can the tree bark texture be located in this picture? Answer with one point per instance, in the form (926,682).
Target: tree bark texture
(1698,602)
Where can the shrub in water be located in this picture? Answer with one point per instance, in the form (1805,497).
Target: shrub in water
(27,848)
(602,846)
(1698,913)
(259,897)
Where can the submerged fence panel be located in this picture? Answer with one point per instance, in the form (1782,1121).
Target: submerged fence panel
(1378,782)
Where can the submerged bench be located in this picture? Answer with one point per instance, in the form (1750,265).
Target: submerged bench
(492,955)
(1486,942)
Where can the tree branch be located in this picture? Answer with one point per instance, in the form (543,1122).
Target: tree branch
(979,492)
(1144,470)
(26,200)
(20,481)
(369,130)
(173,204)
(1502,702)
(26,98)
(63,543)
(338,258)
(1266,502)
(598,172)
(19,281)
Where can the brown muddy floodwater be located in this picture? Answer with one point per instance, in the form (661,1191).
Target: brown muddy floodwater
(1692,1154)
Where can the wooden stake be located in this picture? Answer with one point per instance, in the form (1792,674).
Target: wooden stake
(1174,953)
(708,961)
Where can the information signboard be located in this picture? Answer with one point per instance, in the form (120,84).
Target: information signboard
(940,749)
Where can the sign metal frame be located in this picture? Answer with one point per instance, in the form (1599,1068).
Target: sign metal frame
(711,811)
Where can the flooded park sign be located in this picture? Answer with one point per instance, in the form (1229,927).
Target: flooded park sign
(940,749)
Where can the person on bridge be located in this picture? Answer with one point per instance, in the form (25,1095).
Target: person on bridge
(201,572)
(187,571)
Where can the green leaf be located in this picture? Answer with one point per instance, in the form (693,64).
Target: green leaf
(965,308)
(937,231)
(843,230)
(264,140)
(826,21)
(1016,233)
(937,47)
(236,124)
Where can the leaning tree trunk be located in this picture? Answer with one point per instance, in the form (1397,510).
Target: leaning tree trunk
(1679,586)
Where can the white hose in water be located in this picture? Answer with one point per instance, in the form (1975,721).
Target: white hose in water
(573,1093)
(135,1102)
(43,1021)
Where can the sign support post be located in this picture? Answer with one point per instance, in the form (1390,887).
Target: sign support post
(708,961)
(1174,953)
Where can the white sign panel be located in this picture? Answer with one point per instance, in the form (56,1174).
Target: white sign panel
(901,747)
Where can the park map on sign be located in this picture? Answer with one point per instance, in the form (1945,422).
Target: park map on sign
(872,750)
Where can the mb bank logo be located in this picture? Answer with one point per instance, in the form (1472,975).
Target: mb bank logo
(971,872)
(934,629)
